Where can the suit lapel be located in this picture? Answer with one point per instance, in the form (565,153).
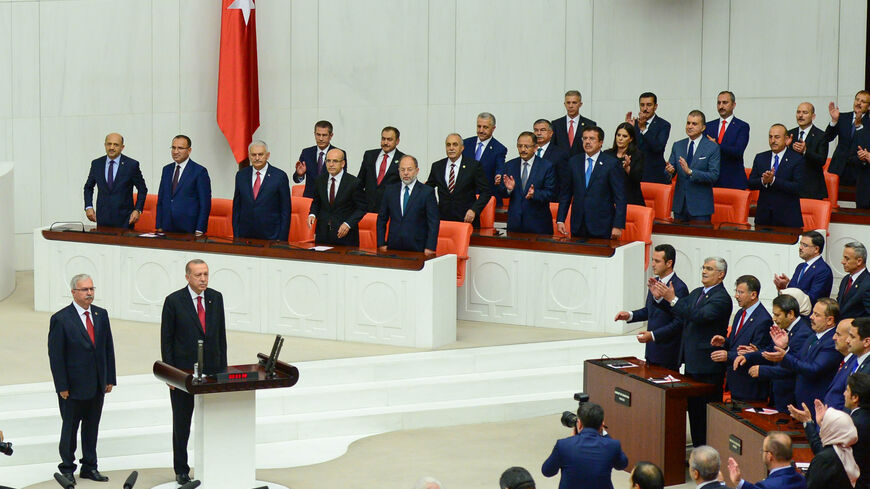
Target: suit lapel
(77,323)
(343,185)
(412,199)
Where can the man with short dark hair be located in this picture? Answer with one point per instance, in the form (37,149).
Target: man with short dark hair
(380,168)
(814,276)
(114,175)
(529,182)
(516,478)
(312,160)
(859,344)
(184,195)
(410,210)
(809,141)
(695,162)
(567,129)
(732,136)
(776,174)
(652,137)
(646,475)
(587,458)
(845,127)
(777,458)
(551,152)
(486,149)
(704,467)
(854,293)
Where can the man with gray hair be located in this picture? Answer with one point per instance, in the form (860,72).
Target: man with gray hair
(486,149)
(261,202)
(568,128)
(82,358)
(463,190)
(854,294)
(704,467)
(705,313)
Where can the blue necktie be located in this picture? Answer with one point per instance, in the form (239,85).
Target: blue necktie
(479,152)
(801,274)
(691,152)
(405,199)
(589,166)
(775,163)
(854,366)
(539,152)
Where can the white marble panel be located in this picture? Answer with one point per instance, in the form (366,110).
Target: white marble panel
(274,128)
(210,149)
(6,153)
(7,229)
(88,63)
(570,292)
(380,308)
(23,251)
(167,55)
(274,43)
(715,52)
(26,149)
(155,152)
(578,48)
(304,77)
(148,276)
(493,290)
(306,295)
(5,67)
(300,134)
(852,55)
(25,52)
(442,53)
(98,261)
(199,42)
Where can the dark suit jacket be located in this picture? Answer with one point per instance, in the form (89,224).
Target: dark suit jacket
(559,158)
(693,195)
(77,365)
(857,303)
(560,134)
(633,193)
(312,169)
(652,145)
(471,190)
(826,471)
(702,319)
(785,478)
(834,396)
(860,168)
(600,205)
(368,177)
(186,210)
(814,367)
(114,205)
(667,329)
(860,450)
(180,330)
(349,206)
(842,131)
(816,156)
(417,229)
(779,204)
(525,215)
(267,216)
(782,379)
(586,460)
(732,173)
(492,158)
(756,331)
(815,282)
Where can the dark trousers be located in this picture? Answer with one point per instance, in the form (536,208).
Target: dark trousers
(182,412)
(670,366)
(87,413)
(583,232)
(686,217)
(697,406)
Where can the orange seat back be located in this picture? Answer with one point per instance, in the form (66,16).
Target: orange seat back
(147,222)
(658,196)
(299,230)
(368,231)
(638,227)
(487,215)
(297,190)
(731,205)
(816,214)
(832,182)
(753,194)
(220,218)
(454,238)
(554,212)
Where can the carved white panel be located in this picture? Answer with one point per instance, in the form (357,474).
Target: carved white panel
(380,306)
(308,296)
(73,258)
(493,291)
(148,276)
(239,280)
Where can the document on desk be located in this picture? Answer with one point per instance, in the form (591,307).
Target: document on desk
(151,235)
(761,411)
(322,248)
(664,380)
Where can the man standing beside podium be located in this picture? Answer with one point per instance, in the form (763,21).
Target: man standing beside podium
(191,314)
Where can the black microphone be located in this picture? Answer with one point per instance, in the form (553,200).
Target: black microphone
(63,481)
(191,485)
(131,480)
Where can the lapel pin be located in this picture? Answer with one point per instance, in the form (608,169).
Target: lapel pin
(751,319)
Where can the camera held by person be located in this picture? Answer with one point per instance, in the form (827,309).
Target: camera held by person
(5,447)
(569,419)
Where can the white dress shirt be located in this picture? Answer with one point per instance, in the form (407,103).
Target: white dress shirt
(262,174)
(455,170)
(194,295)
(410,188)
(81,312)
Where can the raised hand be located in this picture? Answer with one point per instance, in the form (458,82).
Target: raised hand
(834,111)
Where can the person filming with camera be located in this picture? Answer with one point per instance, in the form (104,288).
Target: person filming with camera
(587,458)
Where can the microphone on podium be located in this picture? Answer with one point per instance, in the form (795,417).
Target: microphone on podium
(63,481)
(131,480)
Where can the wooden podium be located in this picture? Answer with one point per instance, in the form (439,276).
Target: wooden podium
(648,418)
(225,415)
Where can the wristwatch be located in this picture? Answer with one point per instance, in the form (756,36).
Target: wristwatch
(674,301)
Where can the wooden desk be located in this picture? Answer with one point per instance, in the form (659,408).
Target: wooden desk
(346,294)
(733,432)
(653,426)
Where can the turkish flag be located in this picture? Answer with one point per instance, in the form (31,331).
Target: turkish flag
(238,101)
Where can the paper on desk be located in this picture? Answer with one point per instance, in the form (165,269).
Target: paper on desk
(802,465)
(322,248)
(761,411)
(630,365)
(664,380)
(149,235)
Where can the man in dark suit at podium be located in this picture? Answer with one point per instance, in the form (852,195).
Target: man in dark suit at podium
(191,314)
(411,211)
(652,137)
(548,150)
(339,203)
(82,358)
(845,127)
(115,175)
(663,331)
(261,203)
(732,136)
(463,190)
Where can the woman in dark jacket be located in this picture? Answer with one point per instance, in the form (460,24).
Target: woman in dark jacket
(833,464)
(625,149)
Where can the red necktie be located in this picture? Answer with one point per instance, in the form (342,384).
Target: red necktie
(383,169)
(452,182)
(571,133)
(175,178)
(740,325)
(332,192)
(200,311)
(257,185)
(90,326)
(848,286)
(721,132)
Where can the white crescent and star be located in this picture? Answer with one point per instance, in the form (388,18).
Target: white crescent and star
(245,6)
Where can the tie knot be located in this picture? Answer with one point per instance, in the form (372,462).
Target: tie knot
(258,173)
(199,298)
(589,160)
(112,162)
(87,313)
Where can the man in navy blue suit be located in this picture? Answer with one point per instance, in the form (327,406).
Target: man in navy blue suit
(704,314)
(845,127)
(411,211)
(587,458)
(732,135)
(486,149)
(547,150)
(663,330)
(777,174)
(115,175)
(777,457)
(82,358)
(261,202)
(834,396)
(380,168)
(529,182)
(568,128)
(809,141)
(652,137)
(695,163)
(313,158)
(859,344)
(814,277)
(854,293)
(594,190)
(184,197)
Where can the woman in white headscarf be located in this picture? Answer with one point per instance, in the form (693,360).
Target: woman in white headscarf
(834,465)
(802,298)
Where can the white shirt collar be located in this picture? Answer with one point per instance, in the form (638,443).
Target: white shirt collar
(194,295)
(544,148)
(262,173)
(812,260)
(728,121)
(182,164)
(752,308)
(806,130)
(410,185)
(667,278)
(337,180)
(576,120)
(819,335)
(697,139)
(79,308)
(116,160)
(857,274)
(485,143)
(793,323)
(862,358)
(380,157)
(781,154)
(594,157)
(707,289)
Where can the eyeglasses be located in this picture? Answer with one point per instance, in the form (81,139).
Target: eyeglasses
(86,289)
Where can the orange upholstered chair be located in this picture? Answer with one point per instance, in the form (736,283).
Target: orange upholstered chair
(454,238)
(368,231)
(299,230)
(147,222)
(638,227)
(487,215)
(220,218)
(659,197)
(554,211)
(297,190)
(816,214)
(832,182)
(753,194)
(731,205)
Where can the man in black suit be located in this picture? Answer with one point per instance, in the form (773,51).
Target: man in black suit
(115,175)
(191,314)
(859,159)
(704,468)
(568,128)
(543,130)
(809,140)
(854,293)
(777,175)
(859,344)
(339,203)
(313,158)
(846,127)
(82,358)
(463,190)
(652,137)
(380,168)
(704,314)
(411,211)
(663,331)
(261,203)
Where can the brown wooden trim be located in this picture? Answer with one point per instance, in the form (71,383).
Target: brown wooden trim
(738,232)
(488,237)
(851,216)
(286,375)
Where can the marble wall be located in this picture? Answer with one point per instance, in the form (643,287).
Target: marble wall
(73,70)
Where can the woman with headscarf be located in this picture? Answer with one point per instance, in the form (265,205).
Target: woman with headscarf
(802,298)
(833,465)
